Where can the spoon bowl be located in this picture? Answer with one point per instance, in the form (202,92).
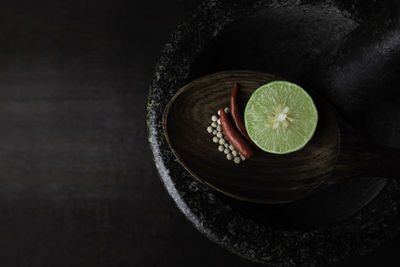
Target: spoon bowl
(265,178)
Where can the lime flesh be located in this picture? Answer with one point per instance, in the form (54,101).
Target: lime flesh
(280,117)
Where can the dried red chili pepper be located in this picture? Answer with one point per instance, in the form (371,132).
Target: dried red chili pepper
(234,137)
(235,114)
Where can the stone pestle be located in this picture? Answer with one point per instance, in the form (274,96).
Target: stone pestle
(361,76)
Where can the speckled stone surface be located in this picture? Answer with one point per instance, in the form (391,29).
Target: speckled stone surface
(210,212)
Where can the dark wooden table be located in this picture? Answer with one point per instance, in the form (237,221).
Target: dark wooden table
(78,186)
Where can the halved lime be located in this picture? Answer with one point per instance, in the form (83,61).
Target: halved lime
(280,117)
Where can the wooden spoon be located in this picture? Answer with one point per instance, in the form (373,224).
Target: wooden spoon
(336,152)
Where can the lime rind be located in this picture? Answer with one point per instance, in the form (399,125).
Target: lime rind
(280,117)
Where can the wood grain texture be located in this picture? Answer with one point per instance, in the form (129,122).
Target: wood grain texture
(265,178)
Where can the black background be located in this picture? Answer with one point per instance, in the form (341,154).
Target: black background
(78,185)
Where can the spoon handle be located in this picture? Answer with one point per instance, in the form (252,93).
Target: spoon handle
(359,157)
